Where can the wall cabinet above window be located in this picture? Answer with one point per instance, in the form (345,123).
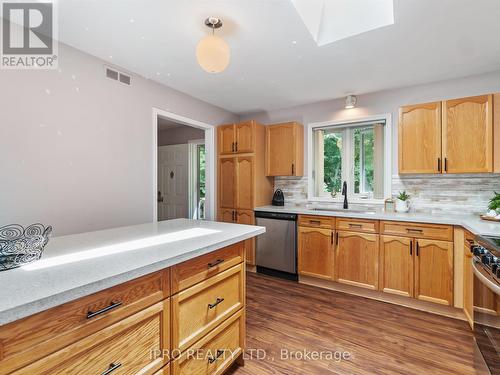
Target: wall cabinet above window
(285,149)
(453,136)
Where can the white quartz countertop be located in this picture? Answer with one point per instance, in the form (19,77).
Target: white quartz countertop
(78,265)
(470,222)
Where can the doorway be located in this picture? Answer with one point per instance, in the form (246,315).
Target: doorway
(183,178)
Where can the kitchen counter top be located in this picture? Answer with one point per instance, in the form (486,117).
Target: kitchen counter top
(78,265)
(470,222)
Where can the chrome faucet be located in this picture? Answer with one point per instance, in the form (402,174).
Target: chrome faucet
(344,193)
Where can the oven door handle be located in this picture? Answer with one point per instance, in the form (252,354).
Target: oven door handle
(485,280)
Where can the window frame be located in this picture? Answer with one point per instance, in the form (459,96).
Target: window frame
(354,198)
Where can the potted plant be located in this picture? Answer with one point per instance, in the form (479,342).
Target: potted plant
(403,202)
(494,206)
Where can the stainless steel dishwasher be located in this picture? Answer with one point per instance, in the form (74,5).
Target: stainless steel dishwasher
(276,250)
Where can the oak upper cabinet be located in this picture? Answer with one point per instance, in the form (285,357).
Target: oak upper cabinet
(245,134)
(396,265)
(227,182)
(434,271)
(420,138)
(356,259)
(315,252)
(468,135)
(285,149)
(226,135)
(236,138)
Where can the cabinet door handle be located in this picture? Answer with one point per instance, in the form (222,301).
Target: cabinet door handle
(331,238)
(232,147)
(92,314)
(293,168)
(236,147)
(446,164)
(216,263)
(411,247)
(315,222)
(337,239)
(439,164)
(216,357)
(418,248)
(351,225)
(112,367)
(217,301)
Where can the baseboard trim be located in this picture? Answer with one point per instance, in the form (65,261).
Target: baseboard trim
(411,303)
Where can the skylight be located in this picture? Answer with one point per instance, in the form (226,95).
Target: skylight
(331,20)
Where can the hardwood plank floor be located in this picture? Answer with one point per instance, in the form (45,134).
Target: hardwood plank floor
(380,338)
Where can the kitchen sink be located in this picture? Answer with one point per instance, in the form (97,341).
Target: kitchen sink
(353,210)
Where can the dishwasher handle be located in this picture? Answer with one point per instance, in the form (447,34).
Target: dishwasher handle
(275,215)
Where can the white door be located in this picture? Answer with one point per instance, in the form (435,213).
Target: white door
(173,182)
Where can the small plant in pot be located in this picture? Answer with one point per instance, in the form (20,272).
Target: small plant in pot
(494,206)
(403,202)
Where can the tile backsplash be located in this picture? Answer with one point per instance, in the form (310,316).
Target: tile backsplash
(450,193)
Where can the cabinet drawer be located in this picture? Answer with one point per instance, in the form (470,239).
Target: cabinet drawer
(128,346)
(216,351)
(431,231)
(317,221)
(31,338)
(199,309)
(193,271)
(356,225)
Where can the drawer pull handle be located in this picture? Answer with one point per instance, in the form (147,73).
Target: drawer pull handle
(92,314)
(355,225)
(216,263)
(112,367)
(315,222)
(409,230)
(217,356)
(217,301)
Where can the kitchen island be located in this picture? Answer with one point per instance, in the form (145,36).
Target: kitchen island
(138,299)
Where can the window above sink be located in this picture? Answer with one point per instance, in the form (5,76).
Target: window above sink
(355,151)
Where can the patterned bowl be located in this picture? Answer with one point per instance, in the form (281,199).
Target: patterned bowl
(20,246)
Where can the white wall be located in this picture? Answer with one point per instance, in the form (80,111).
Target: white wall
(76,148)
(382,102)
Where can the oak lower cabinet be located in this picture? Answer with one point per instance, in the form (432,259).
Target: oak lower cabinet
(356,259)
(396,265)
(315,252)
(434,271)
(419,268)
(468,280)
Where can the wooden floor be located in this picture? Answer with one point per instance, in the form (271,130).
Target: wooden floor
(380,338)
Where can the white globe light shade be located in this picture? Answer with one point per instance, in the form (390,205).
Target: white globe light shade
(213,54)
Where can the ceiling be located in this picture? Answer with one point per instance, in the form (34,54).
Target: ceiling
(275,62)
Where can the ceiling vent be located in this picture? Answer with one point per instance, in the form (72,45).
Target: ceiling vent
(116,75)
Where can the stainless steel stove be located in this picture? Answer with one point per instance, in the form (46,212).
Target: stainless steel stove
(486,267)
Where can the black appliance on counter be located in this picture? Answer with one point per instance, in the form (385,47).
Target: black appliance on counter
(486,268)
(278,198)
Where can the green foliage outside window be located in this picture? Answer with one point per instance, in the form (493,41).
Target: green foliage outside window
(333,162)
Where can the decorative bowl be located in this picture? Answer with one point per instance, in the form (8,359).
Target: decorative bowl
(19,245)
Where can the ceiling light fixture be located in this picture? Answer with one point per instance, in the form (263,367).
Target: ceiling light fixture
(350,101)
(212,52)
